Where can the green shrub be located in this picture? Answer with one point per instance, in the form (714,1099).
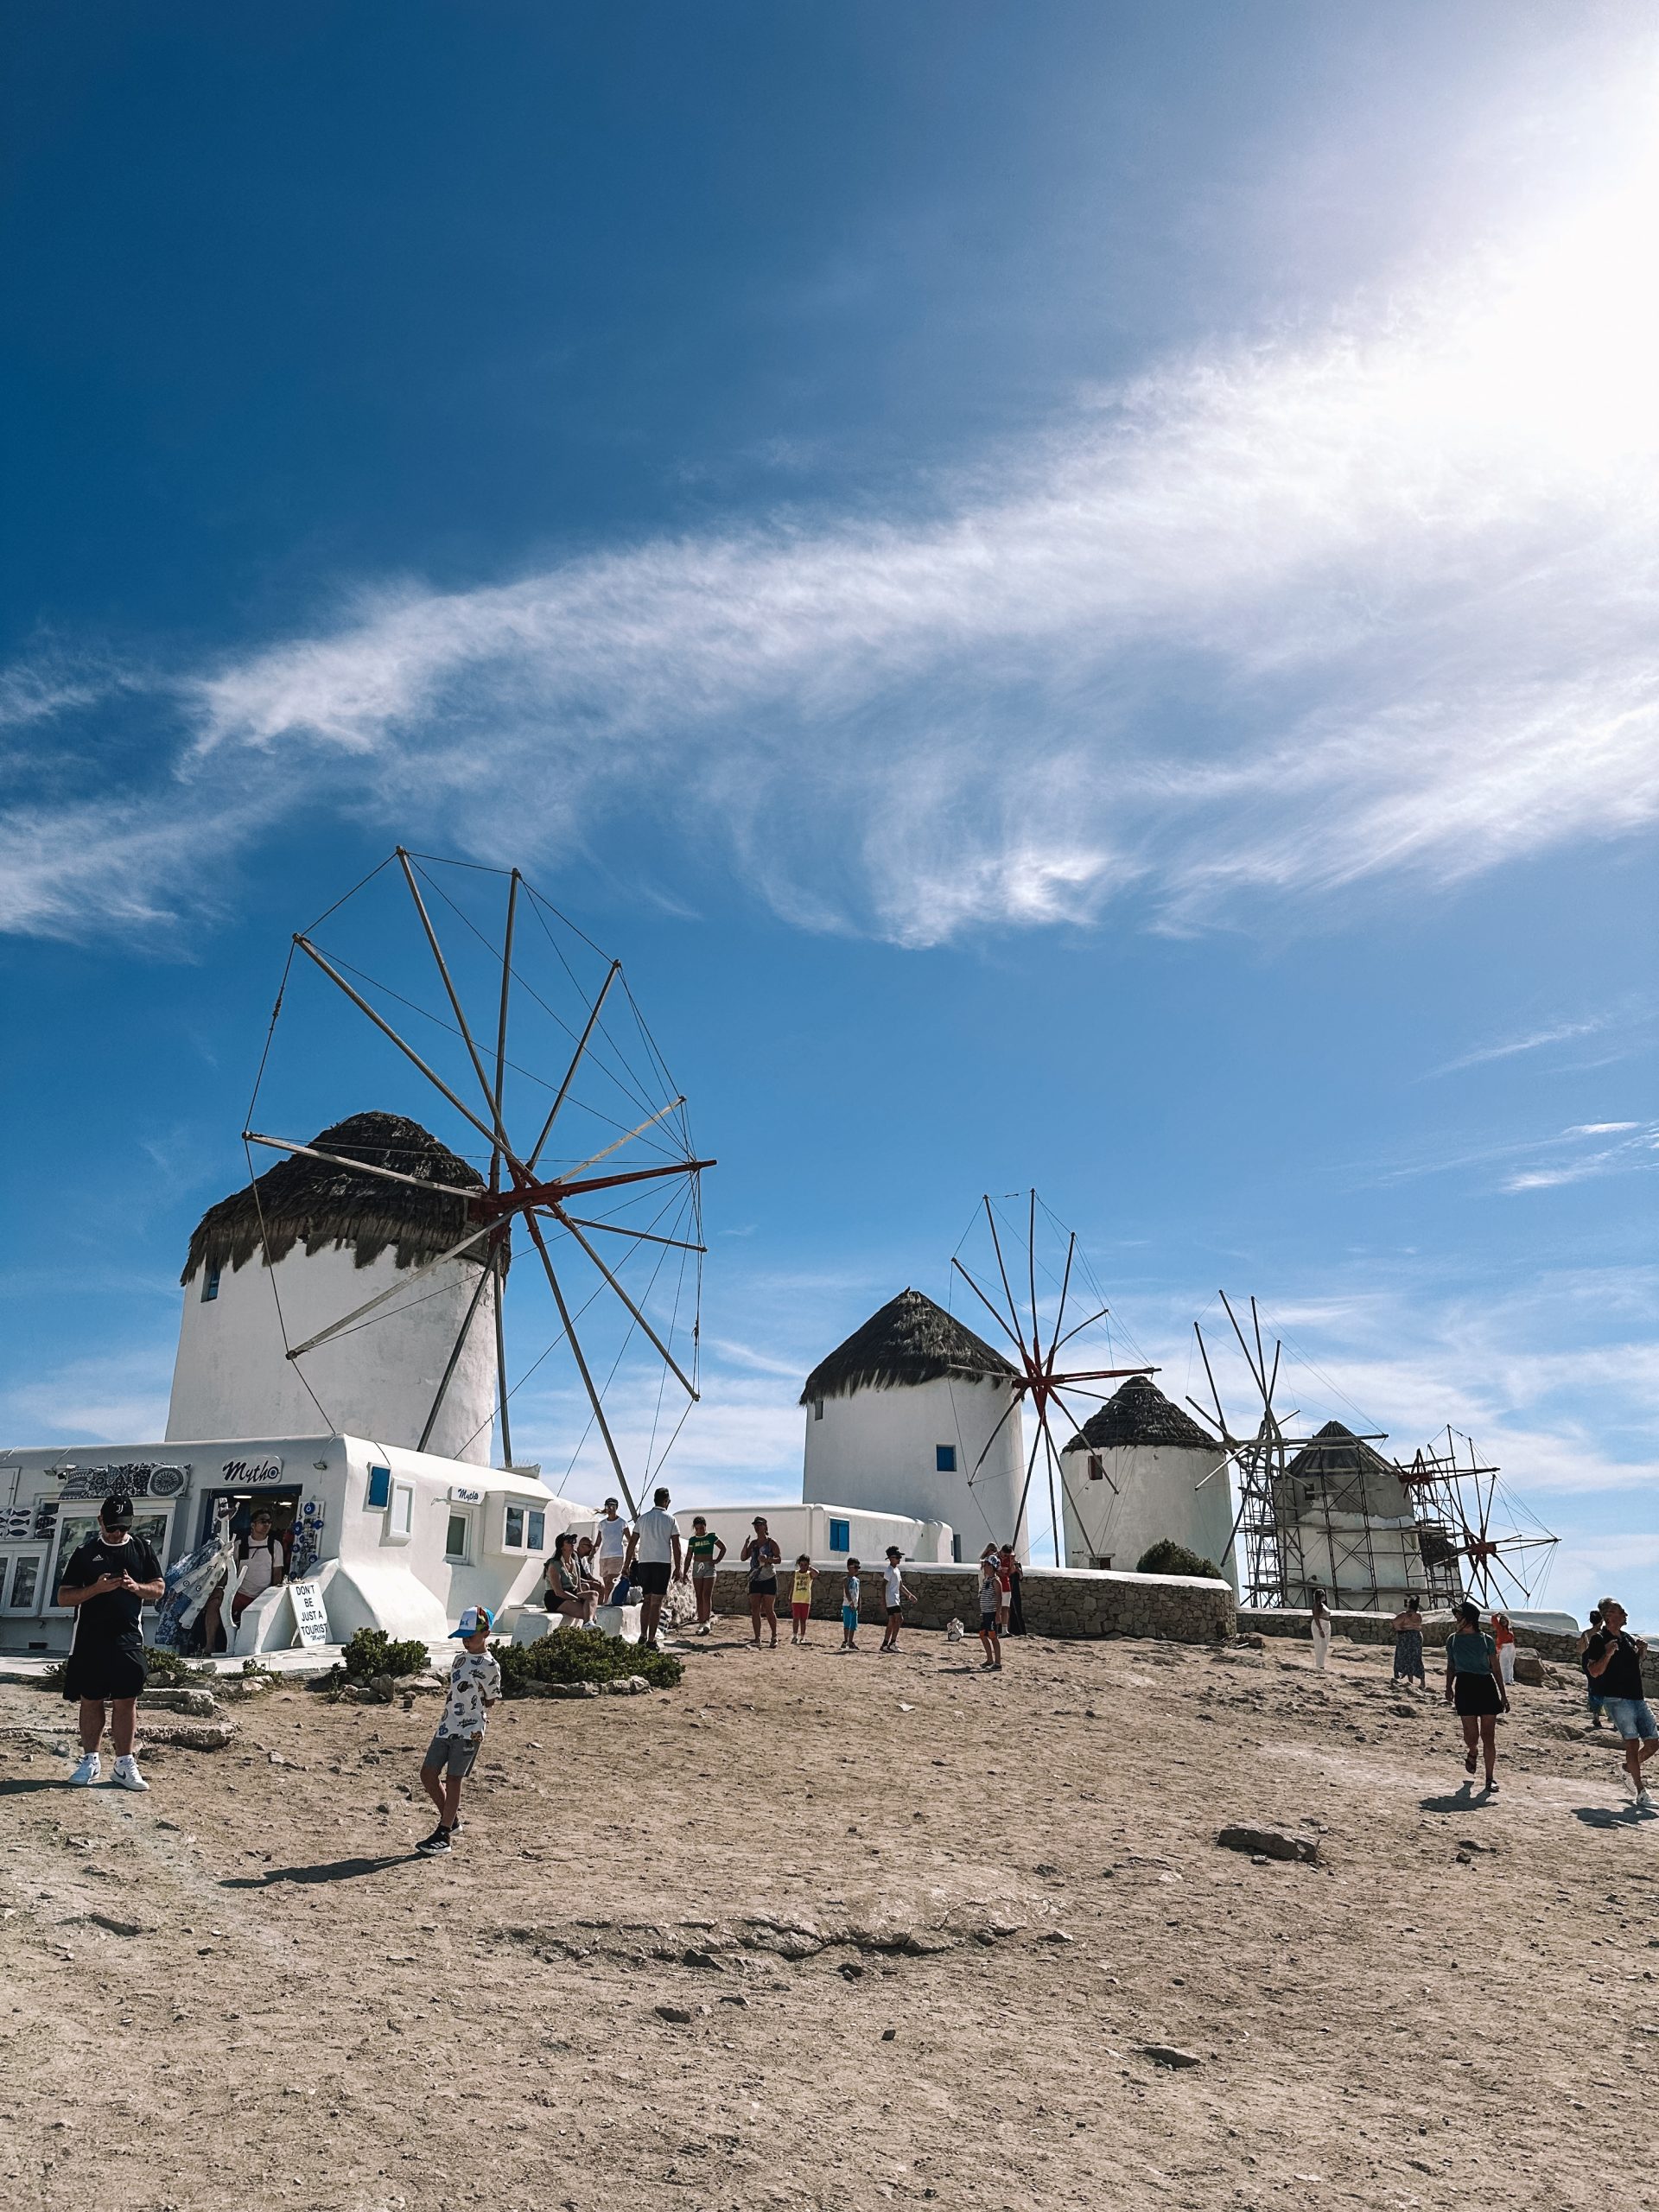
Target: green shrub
(581,1655)
(1168,1557)
(166,1669)
(370,1651)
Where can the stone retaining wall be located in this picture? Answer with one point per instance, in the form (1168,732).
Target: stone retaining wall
(1378,1628)
(1057,1602)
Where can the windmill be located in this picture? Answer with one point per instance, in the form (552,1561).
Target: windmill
(1327,1510)
(1264,1538)
(1504,1547)
(1037,1331)
(488,1010)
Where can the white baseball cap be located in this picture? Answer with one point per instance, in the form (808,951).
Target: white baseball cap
(474,1618)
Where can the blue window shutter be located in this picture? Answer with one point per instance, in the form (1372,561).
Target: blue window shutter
(379,1488)
(944,1458)
(841,1536)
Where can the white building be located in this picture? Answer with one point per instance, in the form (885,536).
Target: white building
(379,1536)
(830,1535)
(378,1533)
(1133,1477)
(915,1415)
(307,1244)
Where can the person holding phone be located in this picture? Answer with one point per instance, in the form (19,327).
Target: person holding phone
(107,1583)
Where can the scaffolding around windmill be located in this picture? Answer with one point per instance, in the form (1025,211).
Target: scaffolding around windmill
(1328,1511)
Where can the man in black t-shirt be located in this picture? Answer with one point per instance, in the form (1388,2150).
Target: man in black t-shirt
(1612,1660)
(106,1582)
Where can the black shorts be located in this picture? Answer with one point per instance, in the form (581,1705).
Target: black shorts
(764,1589)
(105,1670)
(1474,1694)
(650,1577)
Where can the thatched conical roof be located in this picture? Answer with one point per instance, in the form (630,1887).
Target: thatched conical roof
(910,1340)
(1337,1455)
(307,1201)
(1138,1413)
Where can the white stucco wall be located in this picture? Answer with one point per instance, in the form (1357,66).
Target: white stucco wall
(1157,1496)
(231,1377)
(1358,1566)
(876,1449)
(387,1566)
(804,1527)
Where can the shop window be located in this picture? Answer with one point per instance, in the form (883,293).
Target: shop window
(457,1543)
(841,1536)
(523,1529)
(944,1458)
(24,1576)
(379,1495)
(209,1285)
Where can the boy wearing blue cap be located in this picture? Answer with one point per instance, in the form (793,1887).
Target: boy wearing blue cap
(475,1686)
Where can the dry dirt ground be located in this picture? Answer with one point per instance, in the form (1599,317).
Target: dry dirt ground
(919,1923)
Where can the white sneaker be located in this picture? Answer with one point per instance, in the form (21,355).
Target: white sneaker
(87,1772)
(1644,1799)
(127,1775)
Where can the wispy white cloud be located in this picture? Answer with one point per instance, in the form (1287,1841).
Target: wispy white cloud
(1543,1163)
(1295,612)
(1532,1041)
(73,870)
(118,1397)
(1637,1151)
(1623,1029)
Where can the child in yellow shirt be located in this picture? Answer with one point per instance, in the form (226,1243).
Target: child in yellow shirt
(800,1598)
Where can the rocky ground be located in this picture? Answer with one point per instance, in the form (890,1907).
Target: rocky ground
(812,1930)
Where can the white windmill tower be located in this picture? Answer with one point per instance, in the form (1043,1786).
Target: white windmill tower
(320,1237)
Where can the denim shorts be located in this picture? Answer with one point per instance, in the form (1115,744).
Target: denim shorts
(1632,1718)
(452,1756)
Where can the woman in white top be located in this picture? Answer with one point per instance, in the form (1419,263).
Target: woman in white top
(610,1548)
(1318,1628)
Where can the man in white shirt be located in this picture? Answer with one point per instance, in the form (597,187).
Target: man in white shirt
(653,1551)
(611,1543)
(260,1553)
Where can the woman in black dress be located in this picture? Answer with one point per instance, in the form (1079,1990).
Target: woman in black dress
(1474,1687)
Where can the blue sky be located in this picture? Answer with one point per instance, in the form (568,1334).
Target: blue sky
(1071,588)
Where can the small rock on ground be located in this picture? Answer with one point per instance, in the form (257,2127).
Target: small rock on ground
(1271,1843)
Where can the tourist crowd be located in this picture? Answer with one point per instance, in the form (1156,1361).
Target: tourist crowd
(115,1573)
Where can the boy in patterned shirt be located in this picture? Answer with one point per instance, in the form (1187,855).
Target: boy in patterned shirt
(475,1686)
